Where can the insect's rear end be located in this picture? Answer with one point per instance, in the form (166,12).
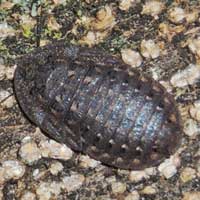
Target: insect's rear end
(88,100)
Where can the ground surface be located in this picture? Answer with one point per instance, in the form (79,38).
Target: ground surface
(164,40)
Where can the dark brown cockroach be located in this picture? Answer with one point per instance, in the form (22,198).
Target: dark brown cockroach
(92,102)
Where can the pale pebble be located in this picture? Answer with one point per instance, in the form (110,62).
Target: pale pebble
(39,174)
(92,38)
(195,111)
(4,94)
(10,72)
(188,174)
(55,150)
(29,152)
(191,128)
(136,176)
(46,190)
(118,187)
(13,169)
(73,182)
(9,102)
(111,179)
(194,46)
(191,195)
(153,8)
(104,19)
(55,168)
(126,4)
(189,76)
(86,161)
(6,71)
(176,14)
(149,190)
(149,49)
(36,173)
(131,57)
(151,171)
(28,196)
(168,168)
(134,195)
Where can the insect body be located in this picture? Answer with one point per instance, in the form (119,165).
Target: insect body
(91,102)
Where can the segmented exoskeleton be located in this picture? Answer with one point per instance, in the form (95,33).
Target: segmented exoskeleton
(95,104)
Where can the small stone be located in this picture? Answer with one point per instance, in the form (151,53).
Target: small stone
(179,15)
(136,176)
(111,179)
(29,152)
(9,72)
(6,71)
(55,150)
(118,187)
(191,196)
(191,128)
(9,102)
(55,168)
(169,167)
(153,8)
(86,161)
(13,169)
(195,111)
(4,94)
(131,57)
(189,76)
(149,49)
(47,190)
(133,196)
(43,192)
(192,17)
(28,196)
(100,26)
(151,171)
(39,174)
(73,182)
(187,174)
(36,172)
(126,4)
(123,172)
(176,15)
(149,190)
(194,46)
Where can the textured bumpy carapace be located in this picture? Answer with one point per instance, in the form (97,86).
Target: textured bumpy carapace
(95,104)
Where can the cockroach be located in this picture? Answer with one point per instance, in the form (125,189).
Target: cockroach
(96,104)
